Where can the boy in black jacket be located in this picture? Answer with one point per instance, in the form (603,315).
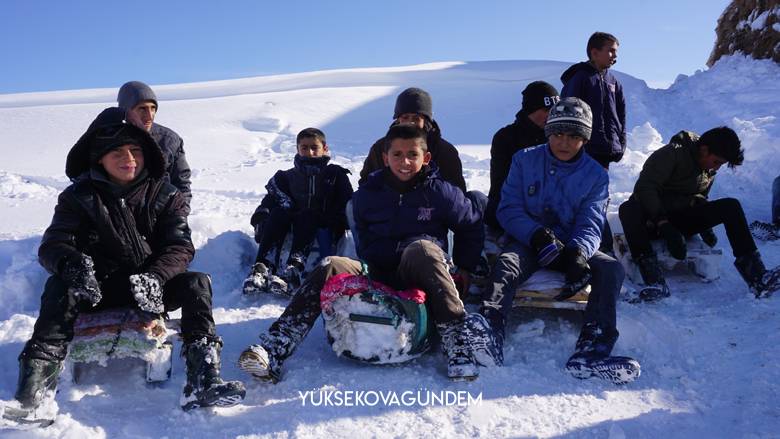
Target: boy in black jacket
(119,237)
(310,198)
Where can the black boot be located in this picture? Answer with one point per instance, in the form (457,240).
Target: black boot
(762,282)
(461,365)
(656,287)
(204,386)
(592,357)
(37,381)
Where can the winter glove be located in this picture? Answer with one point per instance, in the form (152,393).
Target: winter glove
(147,291)
(79,275)
(577,272)
(547,246)
(709,238)
(675,241)
(257,221)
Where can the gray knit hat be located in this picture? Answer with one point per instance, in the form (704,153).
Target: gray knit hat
(134,92)
(414,100)
(570,116)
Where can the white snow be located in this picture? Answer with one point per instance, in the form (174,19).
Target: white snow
(709,353)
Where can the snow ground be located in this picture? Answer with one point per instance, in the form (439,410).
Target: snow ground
(709,353)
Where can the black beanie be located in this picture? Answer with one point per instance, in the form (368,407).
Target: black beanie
(134,92)
(539,94)
(414,100)
(108,137)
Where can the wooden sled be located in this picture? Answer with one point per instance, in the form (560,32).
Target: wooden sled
(540,290)
(117,338)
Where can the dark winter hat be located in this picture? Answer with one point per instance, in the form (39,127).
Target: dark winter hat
(134,92)
(570,116)
(99,140)
(414,100)
(539,94)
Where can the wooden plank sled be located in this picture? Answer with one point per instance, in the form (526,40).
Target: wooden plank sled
(541,288)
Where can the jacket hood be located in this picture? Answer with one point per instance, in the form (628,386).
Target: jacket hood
(102,137)
(685,138)
(571,71)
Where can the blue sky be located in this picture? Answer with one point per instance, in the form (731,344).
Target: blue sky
(59,45)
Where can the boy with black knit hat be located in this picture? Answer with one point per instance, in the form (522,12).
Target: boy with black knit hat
(309,198)
(553,209)
(670,201)
(527,130)
(119,238)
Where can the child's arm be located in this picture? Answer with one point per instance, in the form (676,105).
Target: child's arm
(173,249)
(590,217)
(335,216)
(59,240)
(512,212)
(465,220)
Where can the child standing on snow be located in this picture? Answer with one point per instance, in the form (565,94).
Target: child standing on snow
(402,215)
(119,237)
(310,198)
(553,209)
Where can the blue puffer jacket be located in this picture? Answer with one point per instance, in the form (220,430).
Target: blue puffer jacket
(569,198)
(604,94)
(387,221)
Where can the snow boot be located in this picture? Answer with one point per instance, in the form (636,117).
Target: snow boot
(37,382)
(204,387)
(655,285)
(762,282)
(257,280)
(486,345)
(461,365)
(256,361)
(765,231)
(592,357)
(294,272)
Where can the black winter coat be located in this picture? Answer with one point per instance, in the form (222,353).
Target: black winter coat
(520,134)
(442,153)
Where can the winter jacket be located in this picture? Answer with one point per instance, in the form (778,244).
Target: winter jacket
(604,94)
(569,198)
(125,230)
(387,220)
(671,178)
(312,187)
(520,134)
(177,170)
(442,153)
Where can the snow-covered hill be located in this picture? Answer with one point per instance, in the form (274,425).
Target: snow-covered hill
(709,353)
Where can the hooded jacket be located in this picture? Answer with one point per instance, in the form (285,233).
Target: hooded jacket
(604,94)
(314,186)
(520,134)
(126,230)
(442,153)
(671,178)
(387,220)
(569,198)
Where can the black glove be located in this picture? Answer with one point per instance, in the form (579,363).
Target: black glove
(548,247)
(709,238)
(577,272)
(79,275)
(147,291)
(675,241)
(257,221)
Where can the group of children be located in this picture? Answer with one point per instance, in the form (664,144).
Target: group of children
(121,229)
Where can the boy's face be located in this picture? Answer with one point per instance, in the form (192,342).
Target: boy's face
(709,161)
(565,146)
(142,115)
(123,163)
(415,119)
(406,157)
(605,57)
(312,147)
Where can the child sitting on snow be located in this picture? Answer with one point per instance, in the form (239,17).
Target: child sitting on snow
(310,198)
(402,215)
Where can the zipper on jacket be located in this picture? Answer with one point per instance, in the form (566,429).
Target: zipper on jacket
(134,240)
(311,190)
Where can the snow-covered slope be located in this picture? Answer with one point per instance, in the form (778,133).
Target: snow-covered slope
(709,353)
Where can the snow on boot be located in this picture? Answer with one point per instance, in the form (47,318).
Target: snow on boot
(487,349)
(277,286)
(204,387)
(764,231)
(256,361)
(461,365)
(257,280)
(656,287)
(37,384)
(592,357)
(294,272)
(762,282)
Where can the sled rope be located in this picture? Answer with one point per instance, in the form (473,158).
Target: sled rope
(118,335)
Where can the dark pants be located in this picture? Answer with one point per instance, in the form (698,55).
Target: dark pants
(276,227)
(689,221)
(518,262)
(190,291)
(422,266)
(776,201)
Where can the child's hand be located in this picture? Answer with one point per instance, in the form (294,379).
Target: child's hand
(147,291)
(79,275)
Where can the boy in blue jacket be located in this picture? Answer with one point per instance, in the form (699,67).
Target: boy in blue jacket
(309,198)
(553,209)
(402,215)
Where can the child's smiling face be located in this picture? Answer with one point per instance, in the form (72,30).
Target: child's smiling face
(406,157)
